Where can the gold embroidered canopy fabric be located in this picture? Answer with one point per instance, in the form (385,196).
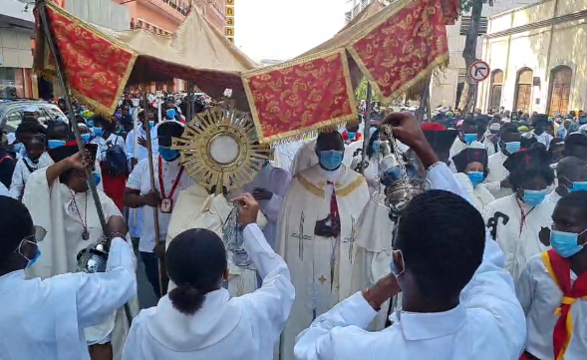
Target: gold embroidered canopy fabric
(394,47)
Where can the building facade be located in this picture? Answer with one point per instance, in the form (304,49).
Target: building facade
(163,17)
(445,90)
(537,57)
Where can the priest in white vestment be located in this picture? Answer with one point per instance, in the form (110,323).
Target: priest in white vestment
(496,180)
(45,318)
(486,314)
(516,220)
(221,327)
(197,208)
(317,232)
(60,202)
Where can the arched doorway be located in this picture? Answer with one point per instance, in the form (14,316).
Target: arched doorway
(523,95)
(560,90)
(495,90)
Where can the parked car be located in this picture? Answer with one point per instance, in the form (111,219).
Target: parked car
(11,113)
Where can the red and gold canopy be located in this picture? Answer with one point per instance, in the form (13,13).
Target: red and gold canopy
(394,48)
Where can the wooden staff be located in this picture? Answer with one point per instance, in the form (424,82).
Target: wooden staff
(68,104)
(153,188)
(367,127)
(72,120)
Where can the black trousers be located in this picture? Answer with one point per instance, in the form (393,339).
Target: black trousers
(152,270)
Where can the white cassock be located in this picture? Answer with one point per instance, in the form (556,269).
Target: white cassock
(479,195)
(275,180)
(52,207)
(61,307)
(225,328)
(540,297)
(496,174)
(518,238)
(321,267)
(488,324)
(197,209)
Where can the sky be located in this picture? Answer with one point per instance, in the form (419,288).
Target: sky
(284,29)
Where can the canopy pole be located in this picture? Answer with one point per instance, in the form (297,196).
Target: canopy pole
(367,127)
(78,137)
(161,267)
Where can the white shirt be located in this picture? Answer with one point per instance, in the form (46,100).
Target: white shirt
(496,174)
(103,145)
(142,152)
(21,173)
(544,138)
(540,296)
(140,179)
(519,237)
(44,319)
(239,328)
(3,190)
(488,324)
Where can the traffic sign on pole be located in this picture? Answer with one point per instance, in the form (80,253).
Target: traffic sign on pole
(479,71)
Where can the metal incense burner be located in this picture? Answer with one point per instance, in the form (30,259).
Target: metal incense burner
(93,259)
(401,185)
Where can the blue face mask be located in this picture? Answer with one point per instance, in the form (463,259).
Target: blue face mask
(90,123)
(534,197)
(168,154)
(578,186)
(566,244)
(18,147)
(97,178)
(476,177)
(351,135)
(331,159)
(86,138)
(469,138)
(98,131)
(170,113)
(151,124)
(513,147)
(56,143)
(582,120)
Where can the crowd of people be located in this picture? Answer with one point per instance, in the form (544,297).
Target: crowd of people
(304,262)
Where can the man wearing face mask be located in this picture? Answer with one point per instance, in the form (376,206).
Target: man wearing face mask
(60,202)
(455,306)
(316,235)
(45,318)
(170,179)
(552,289)
(509,143)
(571,173)
(516,220)
(540,122)
(35,159)
(468,134)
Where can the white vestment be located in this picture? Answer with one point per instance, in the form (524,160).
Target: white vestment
(321,267)
(275,180)
(488,324)
(496,174)
(225,328)
(53,208)
(22,171)
(479,195)
(44,319)
(540,297)
(519,240)
(305,158)
(196,209)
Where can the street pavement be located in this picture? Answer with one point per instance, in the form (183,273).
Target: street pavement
(147,297)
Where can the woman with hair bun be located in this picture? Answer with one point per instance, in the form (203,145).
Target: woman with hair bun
(198,319)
